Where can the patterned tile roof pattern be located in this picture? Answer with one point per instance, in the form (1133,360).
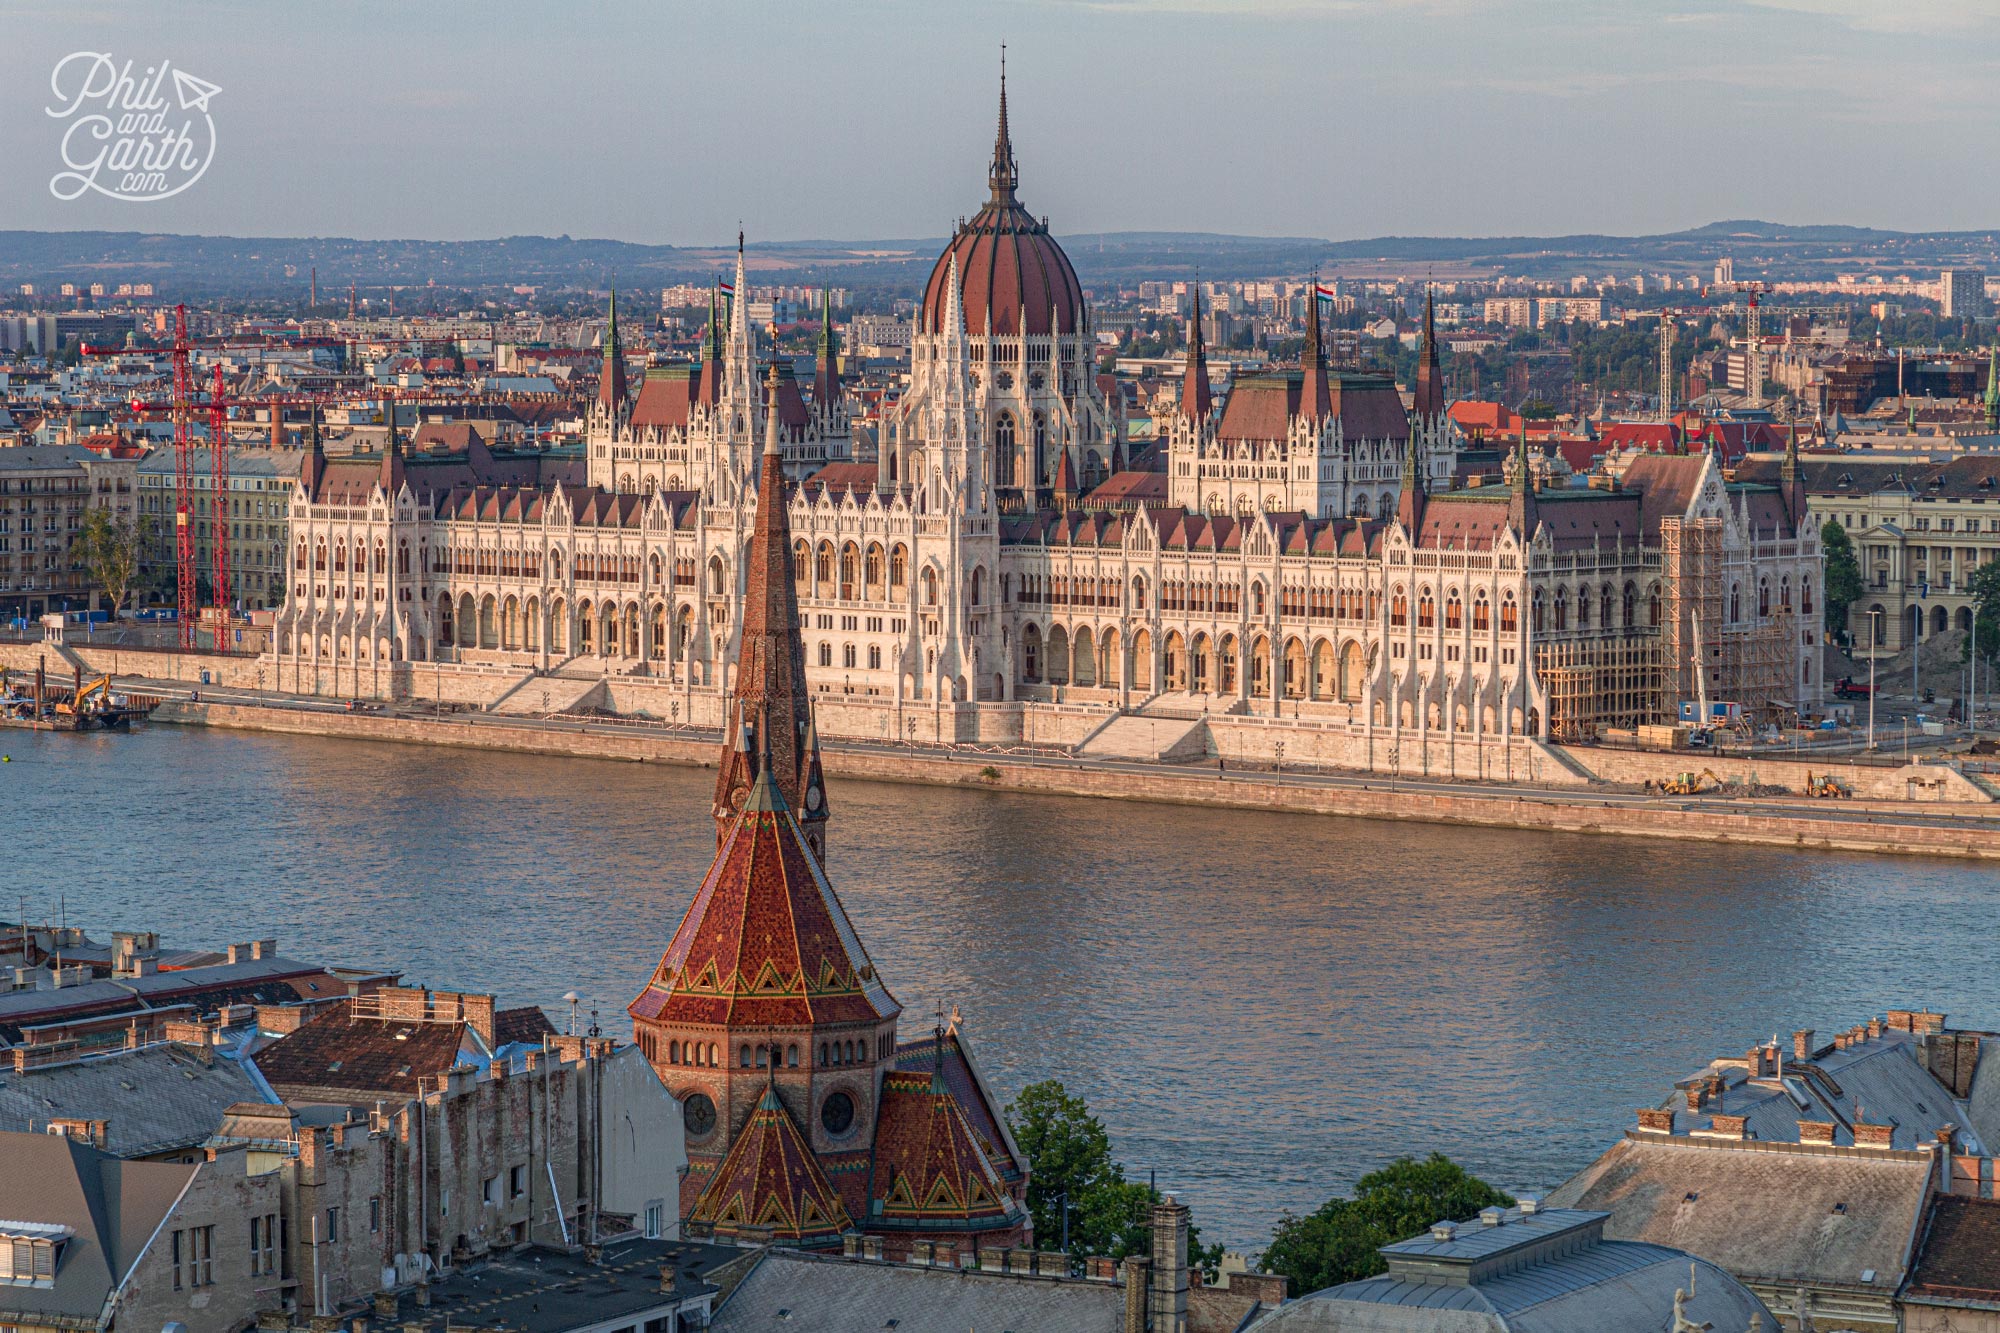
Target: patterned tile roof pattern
(770,1180)
(766,941)
(928,1167)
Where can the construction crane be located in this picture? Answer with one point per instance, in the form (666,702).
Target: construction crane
(1669,317)
(1754,347)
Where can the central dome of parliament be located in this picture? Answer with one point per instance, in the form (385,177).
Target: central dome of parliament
(1010,269)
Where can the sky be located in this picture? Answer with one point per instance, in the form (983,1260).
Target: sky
(670,123)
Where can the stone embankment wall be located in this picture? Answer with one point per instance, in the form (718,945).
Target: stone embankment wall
(1235,738)
(1832,827)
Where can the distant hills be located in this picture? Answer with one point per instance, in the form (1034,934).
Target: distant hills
(209,266)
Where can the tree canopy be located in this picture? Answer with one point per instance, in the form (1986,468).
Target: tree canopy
(1843,575)
(1338,1241)
(1069,1160)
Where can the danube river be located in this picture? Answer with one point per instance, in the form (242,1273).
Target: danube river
(1262,1007)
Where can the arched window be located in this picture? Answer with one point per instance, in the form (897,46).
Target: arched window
(802,568)
(1139,592)
(1003,450)
(1535,618)
(899,568)
(1257,598)
(1454,611)
(1426,610)
(1510,621)
(1735,602)
(1631,604)
(1763,597)
(743,1056)
(718,579)
(1482,616)
(930,587)
(1562,609)
(871,570)
(850,571)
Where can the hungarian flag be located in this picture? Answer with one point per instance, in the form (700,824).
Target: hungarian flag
(1325,292)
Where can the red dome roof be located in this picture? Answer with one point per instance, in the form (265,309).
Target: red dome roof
(1008,264)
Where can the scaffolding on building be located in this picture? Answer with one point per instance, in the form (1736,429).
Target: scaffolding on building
(1749,660)
(1594,685)
(1690,599)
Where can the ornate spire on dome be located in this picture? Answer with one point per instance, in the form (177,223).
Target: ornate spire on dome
(1197,398)
(1003,176)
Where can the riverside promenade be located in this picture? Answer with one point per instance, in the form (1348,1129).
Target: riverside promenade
(1962,828)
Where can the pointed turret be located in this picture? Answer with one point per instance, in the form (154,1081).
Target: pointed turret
(771,1186)
(1427,397)
(1993,386)
(1315,394)
(770,694)
(826,368)
(1003,175)
(611,375)
(1521,499)
(314,468)
(1066,488)
(1197,398)
(392,448)
(738,384)
(1790,480)
(708,375)
(1410,503)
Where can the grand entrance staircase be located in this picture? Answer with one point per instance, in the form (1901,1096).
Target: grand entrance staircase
(1168,729)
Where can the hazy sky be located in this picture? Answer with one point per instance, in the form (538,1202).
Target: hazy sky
(874,119)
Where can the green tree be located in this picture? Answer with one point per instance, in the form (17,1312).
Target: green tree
(1843,576)
(1069,1160)
(1984,588)
(1338,1242)
(109,549)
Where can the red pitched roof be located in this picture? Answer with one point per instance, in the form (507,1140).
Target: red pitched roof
(772,1182)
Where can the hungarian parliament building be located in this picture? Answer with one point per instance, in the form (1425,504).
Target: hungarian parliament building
(1323,571)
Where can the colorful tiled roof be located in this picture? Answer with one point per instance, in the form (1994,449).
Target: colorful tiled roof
(929,1168)
(771,1182)
(766,941)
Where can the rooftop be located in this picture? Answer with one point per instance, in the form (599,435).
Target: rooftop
(541,1290)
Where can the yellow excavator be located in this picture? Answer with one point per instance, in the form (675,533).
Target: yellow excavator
(1689,784)
(1826,786)
(99,689)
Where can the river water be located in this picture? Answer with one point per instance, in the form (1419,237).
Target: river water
(1262,1007)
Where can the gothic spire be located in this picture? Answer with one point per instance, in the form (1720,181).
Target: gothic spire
(611,376)
(1521,501)
(1410,503)
(1315,395)
(1427,392)
(826,378)
(1197,398)
(1993,386)
(1003,176)
(770,691)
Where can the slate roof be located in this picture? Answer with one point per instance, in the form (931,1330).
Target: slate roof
(788,1289)
(1959,1259)
(1777,1212)
(113,1206)
(340,1057)
(154,1099)
(1262,407)
(544,1290)
(252,981)
(1550,1271)
(1879,1080)
(528,1023)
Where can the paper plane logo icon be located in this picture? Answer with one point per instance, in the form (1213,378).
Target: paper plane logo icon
(194,93)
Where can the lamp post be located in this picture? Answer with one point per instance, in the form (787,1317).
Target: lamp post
(1873,617)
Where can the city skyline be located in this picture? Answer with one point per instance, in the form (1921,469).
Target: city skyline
(1425,117)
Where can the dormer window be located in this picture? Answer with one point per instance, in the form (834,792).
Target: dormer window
(30,1251)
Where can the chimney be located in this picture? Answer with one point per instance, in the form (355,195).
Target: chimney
(1947,1135)
(871,1248)
(1697,1094)
(385,1306)
(1170,1266)
(423,1295)
(850,1245)
(1021,1261)
(1100,1269)
(1652,1120)
(922,1253)
(1878,1137)
(263,948)
(1052,1263)
(1874,1028)
(479,1016)
(1802,1044)
(1728,1126)
(1138,1280)
(1816,1131)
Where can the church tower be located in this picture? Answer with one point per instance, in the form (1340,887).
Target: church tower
(1434,438)
(770,713)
